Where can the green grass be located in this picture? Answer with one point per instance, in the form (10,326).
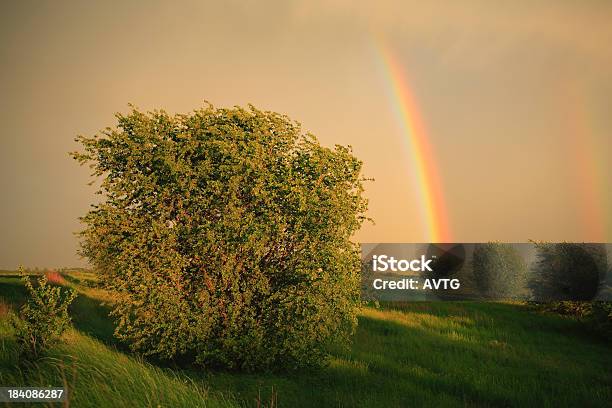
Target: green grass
(416,354)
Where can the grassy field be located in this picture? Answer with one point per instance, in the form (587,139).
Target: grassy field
(419,354)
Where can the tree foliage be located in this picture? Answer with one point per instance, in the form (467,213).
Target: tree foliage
(568,271)
(226,235)
(499,270)
(569,278)
(43,318)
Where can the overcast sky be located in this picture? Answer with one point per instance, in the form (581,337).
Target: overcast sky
(516,97)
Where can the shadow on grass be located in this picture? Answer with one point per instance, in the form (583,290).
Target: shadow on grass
(397,364)
(380,371)
(12,291)
(80,280)
(91,316)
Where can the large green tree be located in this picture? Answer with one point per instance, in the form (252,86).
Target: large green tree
(225,234)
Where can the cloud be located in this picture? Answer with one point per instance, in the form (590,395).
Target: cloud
(484,30)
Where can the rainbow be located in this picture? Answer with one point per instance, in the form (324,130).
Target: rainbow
(415,135)
(586,164)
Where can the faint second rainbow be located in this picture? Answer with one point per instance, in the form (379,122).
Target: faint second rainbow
(586,162)
(415,135)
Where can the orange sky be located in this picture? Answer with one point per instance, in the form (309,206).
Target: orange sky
(515,96)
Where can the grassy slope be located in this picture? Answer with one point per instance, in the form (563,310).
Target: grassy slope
(419,354)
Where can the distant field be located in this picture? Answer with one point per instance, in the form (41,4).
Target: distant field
(417,354)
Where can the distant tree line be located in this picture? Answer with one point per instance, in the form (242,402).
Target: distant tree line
(567,278)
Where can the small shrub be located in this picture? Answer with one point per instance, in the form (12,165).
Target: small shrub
(43,318)
(570,308)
